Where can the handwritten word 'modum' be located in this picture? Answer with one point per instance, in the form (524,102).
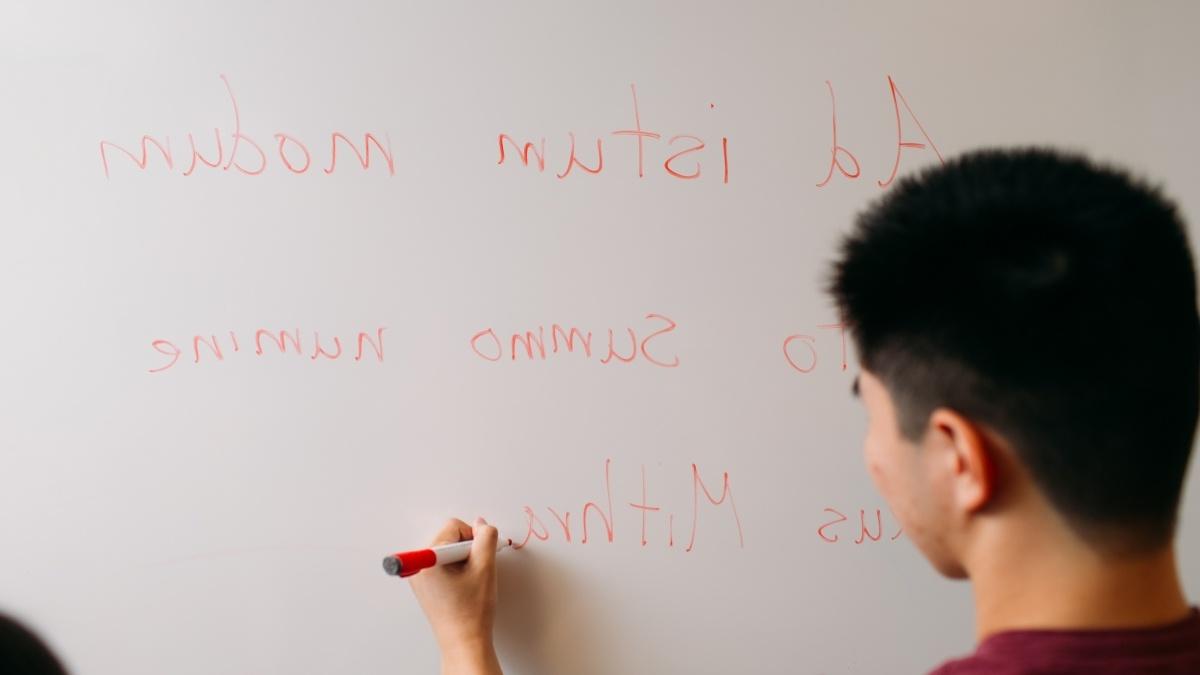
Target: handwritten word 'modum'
(289,151)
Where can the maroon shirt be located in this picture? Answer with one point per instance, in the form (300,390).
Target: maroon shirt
(1169,650)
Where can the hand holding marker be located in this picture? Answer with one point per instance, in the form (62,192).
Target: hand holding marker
(408,563)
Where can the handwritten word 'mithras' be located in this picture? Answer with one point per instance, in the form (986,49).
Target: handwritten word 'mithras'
(649,512)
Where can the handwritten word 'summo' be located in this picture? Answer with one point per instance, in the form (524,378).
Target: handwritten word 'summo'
(546,344)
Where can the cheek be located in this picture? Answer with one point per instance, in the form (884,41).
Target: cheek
(875,455)
(885,460)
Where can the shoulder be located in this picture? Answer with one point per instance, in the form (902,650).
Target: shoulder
(1170,649)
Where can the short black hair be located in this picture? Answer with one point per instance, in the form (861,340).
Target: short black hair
(22,651)
(1051,299)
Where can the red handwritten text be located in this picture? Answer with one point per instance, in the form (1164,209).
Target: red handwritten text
(706,495)
(289,151)
(800,350)
(684,152)
(869,527)
(217,347)
(843,160)
(545,343)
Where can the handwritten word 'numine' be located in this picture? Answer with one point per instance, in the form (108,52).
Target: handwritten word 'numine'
(291,152)
(216,348)
(645,510)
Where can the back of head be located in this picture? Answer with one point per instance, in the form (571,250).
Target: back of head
(1052,300)
(23,652)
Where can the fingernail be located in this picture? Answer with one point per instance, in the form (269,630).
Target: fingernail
(480,521)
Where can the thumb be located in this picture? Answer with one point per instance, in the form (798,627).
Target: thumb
(483,550)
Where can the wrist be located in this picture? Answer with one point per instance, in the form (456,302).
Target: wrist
(470,656)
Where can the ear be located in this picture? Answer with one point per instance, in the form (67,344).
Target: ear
(968,457)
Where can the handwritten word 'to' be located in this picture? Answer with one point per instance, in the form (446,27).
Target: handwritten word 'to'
(800,351)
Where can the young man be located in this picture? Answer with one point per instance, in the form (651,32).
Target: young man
(994,303)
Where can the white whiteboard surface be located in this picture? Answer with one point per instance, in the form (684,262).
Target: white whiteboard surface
(228,516)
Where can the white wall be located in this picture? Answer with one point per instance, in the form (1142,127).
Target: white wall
(229,516)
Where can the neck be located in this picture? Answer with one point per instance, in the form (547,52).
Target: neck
(1052,580)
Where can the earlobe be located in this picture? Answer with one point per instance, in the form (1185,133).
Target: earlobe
(974,479)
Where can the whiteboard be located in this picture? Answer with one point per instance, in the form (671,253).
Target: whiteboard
(166,510)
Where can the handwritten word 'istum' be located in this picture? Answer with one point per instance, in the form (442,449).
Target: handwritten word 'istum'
(679,145)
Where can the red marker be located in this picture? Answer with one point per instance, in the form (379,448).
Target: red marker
(409,563)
